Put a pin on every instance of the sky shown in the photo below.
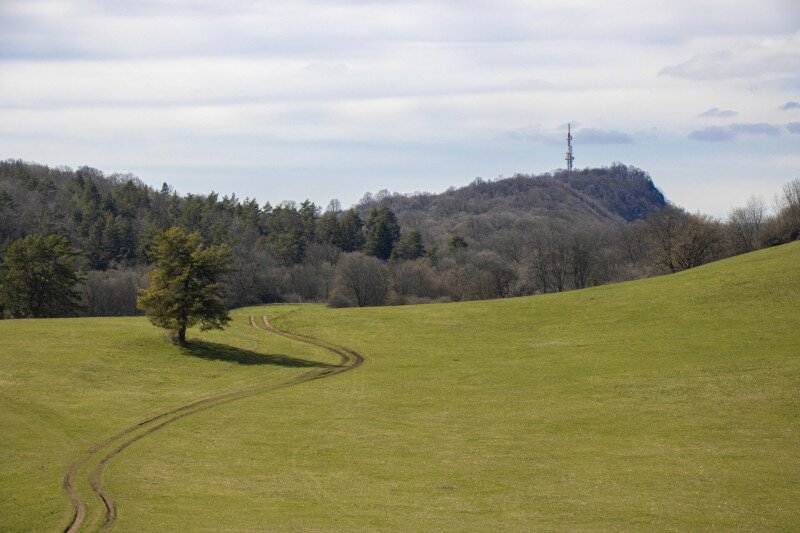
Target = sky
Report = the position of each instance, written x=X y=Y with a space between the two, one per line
x=331 y=99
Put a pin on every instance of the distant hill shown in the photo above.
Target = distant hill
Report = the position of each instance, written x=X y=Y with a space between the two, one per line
x=608 y=195
x=484 y=240
x=86 y=204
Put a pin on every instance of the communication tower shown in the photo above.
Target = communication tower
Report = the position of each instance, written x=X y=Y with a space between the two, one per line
x=569 y=158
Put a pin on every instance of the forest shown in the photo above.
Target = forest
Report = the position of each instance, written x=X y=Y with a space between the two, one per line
x=490 y=239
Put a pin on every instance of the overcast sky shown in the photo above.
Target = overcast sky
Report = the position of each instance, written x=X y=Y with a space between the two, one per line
x=331 y=99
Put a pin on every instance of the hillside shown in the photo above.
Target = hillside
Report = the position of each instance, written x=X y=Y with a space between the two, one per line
x=111 y=217
x=667 y=403
x=601 y=196
x=524 y=235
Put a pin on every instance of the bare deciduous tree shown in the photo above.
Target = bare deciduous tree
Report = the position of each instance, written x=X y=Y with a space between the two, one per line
x=788 y=212
x=583 y=247
x=113 y=292
x=633 y=242
x=413 y=278
x=360 y=280
x=681 y=240
x=745 y=224
x=500 y=274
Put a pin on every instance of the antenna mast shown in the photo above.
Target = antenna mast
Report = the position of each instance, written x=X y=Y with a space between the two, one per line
x=569 y=158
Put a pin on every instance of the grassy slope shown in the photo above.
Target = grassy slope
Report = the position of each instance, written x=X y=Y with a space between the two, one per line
x=67 y=384
x=670 y=402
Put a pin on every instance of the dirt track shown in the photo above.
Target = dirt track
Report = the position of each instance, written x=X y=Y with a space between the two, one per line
x=116 y=444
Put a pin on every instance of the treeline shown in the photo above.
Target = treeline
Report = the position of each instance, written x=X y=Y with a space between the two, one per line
x=508 y=237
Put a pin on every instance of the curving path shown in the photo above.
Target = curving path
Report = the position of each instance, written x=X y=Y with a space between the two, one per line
x=116 y=444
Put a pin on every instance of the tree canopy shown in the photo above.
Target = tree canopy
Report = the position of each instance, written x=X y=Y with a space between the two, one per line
x=382 y=232
x=39 y=278
x=492 y=238
x=410 y=246
x=185 y=289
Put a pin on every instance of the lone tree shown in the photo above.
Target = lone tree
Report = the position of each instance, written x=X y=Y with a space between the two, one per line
x=184 y=289
x=38 y=278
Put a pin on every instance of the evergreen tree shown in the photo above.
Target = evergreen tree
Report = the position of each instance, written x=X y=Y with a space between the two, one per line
x=457 y=243
x=309 y=213
x=328 y=228
x=250 y=213
x=349 y=237
x=7 y=207
x=184 y=289
x=285 y=233
x=410 y=246
x=382 y=232
x=93 y=246
x=39 y=278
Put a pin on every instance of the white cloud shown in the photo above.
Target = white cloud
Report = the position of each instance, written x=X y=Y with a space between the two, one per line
x=730 y=132
x=762 y=57
x=715 y=112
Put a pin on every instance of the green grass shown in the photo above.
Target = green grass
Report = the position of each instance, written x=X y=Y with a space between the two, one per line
x=67 y=384
x=669 y=403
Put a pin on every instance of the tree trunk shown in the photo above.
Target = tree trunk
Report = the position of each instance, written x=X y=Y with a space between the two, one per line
x=182 y=335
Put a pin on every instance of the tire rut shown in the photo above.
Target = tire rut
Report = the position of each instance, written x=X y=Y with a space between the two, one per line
x=119 y=442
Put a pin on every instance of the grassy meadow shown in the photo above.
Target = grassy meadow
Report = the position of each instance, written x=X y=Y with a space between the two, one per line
x=668 y=403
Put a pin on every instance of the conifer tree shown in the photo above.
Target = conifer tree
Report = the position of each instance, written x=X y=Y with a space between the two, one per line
x=382 y=232
x=349 y=236
x=309 y=214
x=184 y=289
x=409 y=246
x=39 y=278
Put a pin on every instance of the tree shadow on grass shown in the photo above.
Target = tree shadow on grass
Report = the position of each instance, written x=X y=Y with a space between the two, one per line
x=213 y=351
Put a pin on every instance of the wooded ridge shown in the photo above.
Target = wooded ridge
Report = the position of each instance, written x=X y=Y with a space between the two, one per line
x=492 y=238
